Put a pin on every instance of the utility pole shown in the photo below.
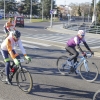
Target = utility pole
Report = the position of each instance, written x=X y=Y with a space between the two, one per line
x=4 y=9
x=31 y=11
x=42 y=9
x=94 y=13
x=51 y=12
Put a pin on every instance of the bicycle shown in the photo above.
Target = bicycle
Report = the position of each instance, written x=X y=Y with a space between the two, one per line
x=96 y=95
x=23 y=77
x=87 y=70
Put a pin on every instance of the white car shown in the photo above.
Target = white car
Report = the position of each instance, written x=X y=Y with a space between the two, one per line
x=35 y=16
x=72 y=19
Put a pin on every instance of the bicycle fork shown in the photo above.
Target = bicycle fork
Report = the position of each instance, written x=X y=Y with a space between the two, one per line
x=86 y=65
x=23 y=78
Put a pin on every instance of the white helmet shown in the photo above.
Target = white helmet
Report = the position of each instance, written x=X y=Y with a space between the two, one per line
x=81 y=32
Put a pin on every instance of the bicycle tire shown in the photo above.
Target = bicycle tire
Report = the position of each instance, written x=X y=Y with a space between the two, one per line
x=21 y=73
x=93 y=71
x=96 y=95
x=2 y=71
x=63 y=68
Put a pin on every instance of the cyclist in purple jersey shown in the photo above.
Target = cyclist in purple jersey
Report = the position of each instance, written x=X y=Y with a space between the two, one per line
x=75 y=42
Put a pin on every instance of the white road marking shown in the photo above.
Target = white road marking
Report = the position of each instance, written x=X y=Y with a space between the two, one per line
x=36 y=43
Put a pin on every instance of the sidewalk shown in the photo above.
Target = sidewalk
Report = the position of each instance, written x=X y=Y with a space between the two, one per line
x=60 y=29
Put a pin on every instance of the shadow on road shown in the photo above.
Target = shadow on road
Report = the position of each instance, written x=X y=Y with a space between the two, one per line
x=60 y=93
x=40 y=27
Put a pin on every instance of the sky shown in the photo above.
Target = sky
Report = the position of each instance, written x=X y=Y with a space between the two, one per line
x=67 y=2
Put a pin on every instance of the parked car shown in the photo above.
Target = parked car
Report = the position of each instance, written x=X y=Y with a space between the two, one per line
x=72 y=19
x=0 y=17
x=19 y=21
x=35 y=16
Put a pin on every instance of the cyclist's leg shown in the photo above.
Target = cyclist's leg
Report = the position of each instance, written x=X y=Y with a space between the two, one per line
x=7 y=64
x=74 y=56
x=17 y=56
x=74 y=53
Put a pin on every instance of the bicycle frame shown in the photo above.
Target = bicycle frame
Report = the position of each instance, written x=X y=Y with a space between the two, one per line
x=83 y=60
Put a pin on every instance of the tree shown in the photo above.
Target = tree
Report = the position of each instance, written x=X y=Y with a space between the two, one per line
x=98 y=12
x=79 y=12
x=1 y=5
x=26 y=7
x=47 y=7
x=10 y=6
x=74 y=7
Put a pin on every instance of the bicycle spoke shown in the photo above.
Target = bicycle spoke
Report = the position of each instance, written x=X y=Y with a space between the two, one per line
x=24 y=80
x=62 y=66
x=2 y=71
x=91 y=74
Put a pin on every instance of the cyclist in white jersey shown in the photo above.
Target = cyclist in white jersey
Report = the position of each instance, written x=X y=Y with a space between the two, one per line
x=7 y=48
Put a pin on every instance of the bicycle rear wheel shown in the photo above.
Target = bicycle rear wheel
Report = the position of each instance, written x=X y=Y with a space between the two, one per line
x=2 y=71
x=92 y=73
x=97 y=95
x=62 y=65
x=24 y=80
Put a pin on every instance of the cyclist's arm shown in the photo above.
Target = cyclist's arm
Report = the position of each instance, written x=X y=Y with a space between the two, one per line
x=13 y=26
x=21 y=47
x=78 y=47
x=86 y=45
x=9 y=48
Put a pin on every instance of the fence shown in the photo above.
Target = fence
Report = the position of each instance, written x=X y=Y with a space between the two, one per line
x=88 y=27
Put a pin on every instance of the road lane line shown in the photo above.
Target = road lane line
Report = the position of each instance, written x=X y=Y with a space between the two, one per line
x=42 y=44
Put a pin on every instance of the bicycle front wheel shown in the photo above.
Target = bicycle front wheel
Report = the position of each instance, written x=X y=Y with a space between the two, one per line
x=2 y=71
x=24 y=80
x=89 y=72
x=97 y=95
x=62 y=65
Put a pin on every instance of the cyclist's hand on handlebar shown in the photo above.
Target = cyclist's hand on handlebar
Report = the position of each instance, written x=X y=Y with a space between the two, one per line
x=28 y=58
x=92 y=52
x=84 y=54
x=16 y=62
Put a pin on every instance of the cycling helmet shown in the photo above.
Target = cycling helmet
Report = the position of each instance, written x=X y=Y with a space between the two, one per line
x=16 y=33
x=81 y=32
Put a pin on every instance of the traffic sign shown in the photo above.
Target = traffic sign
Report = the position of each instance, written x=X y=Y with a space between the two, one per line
x=51 y=11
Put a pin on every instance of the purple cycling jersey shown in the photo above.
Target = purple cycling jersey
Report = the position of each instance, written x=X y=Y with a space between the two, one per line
x=75 y=41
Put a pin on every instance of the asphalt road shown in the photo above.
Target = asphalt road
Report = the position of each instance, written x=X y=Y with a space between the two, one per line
x=48 y=83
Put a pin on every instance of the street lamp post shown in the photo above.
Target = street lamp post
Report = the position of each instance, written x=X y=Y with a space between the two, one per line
x=89 y=14
x=51 y=12
x=4 y=9
x=31 y=11
x=94 y=13
x=42 y=10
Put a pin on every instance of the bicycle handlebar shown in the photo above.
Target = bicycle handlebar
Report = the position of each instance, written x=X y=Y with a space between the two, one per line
x=23 y=60
x=88 y=55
